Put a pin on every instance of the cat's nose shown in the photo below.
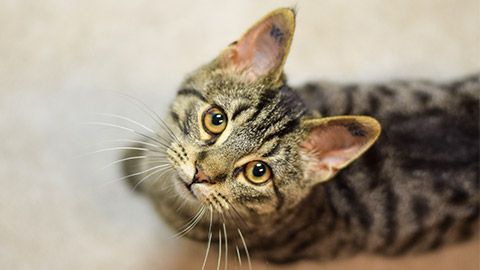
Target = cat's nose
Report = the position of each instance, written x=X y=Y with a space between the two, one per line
x=200 y=176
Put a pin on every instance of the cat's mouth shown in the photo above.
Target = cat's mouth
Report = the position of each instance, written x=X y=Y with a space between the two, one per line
x=192 y=192
x=195 y=190
x=189 y=188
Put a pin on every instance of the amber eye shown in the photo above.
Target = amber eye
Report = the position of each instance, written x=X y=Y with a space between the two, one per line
x=214 y=121
x=257 y=172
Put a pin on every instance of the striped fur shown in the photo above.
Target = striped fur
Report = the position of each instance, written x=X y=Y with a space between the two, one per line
x=415 y=190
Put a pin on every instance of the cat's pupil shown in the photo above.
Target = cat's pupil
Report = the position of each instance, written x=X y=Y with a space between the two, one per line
x=259 y=170
x=217 y=119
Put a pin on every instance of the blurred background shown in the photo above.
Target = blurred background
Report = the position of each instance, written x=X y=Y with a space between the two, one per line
x=63 y=61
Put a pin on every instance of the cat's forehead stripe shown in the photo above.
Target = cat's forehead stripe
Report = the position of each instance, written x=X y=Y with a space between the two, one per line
x=192 y=92
x=240 y=109
x=272 y=151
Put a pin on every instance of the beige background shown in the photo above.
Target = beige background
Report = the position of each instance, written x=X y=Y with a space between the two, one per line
x=61 y=60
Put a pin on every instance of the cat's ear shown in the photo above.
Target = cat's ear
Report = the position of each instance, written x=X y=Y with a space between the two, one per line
x=261 y=52
x=332 y=143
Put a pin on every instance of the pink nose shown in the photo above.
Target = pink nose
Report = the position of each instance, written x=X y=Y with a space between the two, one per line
x=200 y=176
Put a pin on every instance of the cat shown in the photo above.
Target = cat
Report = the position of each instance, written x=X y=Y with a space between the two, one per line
x=263 y=168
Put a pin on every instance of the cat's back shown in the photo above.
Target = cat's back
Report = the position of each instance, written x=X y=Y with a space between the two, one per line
x=418 y=187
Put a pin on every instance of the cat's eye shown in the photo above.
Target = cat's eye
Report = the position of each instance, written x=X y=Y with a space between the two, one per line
x=214 y=121
x=257 y=172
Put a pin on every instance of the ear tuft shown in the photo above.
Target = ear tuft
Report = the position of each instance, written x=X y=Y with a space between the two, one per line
x=334 y=142
x=263 y=49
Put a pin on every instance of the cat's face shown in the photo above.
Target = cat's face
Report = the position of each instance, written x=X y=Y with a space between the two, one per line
x=244 y=140
x=238 y=143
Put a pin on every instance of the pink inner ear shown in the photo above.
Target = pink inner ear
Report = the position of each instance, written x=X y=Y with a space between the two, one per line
x=261 y=50
x=333 y=146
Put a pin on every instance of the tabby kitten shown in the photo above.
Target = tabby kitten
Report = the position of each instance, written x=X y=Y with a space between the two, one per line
x=249 y=158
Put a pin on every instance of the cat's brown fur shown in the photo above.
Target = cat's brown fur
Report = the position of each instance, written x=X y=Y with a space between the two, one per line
x=416 y=190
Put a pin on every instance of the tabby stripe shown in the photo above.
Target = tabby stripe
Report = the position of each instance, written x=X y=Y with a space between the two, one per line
x=386 y=91
x=373 y=162
x=422 y=97
x=239 y=110
x=175 y=117
x=458 y=196
x=391 y=207
x=272 y=151
x=307 y=242
x=422 y=163
x=467 y=229
x=268 y=120
x=201 y=155
x=192 y=92
x=358 y=208
x=445 y=224
x=373 y=104
x=415 y=238
x=289 y=127
x=348 y=91
x=187 y=125
x=280 y=197
x=333 y=211
x=277 y=113
x=254 y=198
x=265 y=99
x=318 y=92
x=236 y=172
x=176 y=120
x=220 y=178
x=420 y=209
x=291 y=231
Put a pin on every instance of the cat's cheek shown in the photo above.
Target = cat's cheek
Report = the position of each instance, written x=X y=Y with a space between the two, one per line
x=183 y=191
x=201 y=191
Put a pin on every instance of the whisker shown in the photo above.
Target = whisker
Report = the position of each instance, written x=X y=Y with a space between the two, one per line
x=219 y=249
x=170 y=171
x=238 y=255
x=152 y=160
x=246 y=225
x=181 y=206
x=241 y=218
x=155 y=159
x=209 y=236
x=189 y=228
x=127 y=119
x=144 y=178
x=226 y=241
x=136 y=123
x=121 y=160
x=234 y=237
x=129 y=130
x=115 y=148
x=131 y=141
x=192 y=219
x=246 y=249
x=167 y=170
x=134 y=174
x=169 y=131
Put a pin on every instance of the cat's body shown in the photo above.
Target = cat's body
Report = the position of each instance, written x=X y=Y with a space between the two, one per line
x=416 y=189
x=418 y=186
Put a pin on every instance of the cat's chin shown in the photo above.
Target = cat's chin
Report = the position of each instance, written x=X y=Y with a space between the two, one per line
x=200 y=191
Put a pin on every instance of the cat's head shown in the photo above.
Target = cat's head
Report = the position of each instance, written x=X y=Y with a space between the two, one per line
x=245 y=140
